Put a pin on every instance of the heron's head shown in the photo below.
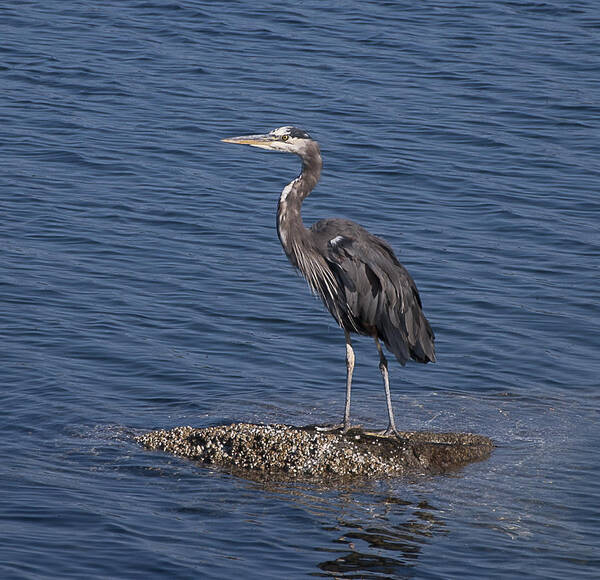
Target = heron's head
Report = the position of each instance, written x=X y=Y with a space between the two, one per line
x=285 y=139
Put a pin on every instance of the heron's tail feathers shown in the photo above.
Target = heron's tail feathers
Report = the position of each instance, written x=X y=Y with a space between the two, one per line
x=409 y=335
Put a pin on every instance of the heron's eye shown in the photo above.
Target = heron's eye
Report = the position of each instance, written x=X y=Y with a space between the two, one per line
x=285 y=137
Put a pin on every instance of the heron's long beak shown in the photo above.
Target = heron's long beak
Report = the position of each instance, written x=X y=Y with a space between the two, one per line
x=262 y=141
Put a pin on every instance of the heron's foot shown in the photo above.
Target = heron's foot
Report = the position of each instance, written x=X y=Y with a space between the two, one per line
x=341 y=427
x=391 y=431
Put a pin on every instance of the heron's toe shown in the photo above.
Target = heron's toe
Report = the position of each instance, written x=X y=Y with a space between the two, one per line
x=341 y=427
x=391 y=431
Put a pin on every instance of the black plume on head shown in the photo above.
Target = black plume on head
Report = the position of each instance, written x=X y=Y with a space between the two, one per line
x=298 y=133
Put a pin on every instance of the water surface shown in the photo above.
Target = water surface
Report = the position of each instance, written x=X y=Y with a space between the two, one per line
x=143 y=285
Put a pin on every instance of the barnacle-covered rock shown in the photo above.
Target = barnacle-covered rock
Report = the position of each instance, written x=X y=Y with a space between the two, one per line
x=287 y=452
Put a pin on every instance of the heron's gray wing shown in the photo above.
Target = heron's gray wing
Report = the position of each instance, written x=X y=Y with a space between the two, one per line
x=380 y=295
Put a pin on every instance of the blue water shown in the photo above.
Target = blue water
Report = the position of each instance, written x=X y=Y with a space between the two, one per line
x=143 y=285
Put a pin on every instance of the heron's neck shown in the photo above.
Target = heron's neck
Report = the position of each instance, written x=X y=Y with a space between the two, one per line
x=292 y=233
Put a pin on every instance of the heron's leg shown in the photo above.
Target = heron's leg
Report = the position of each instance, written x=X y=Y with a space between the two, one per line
x=349 y=371
x=345 y=424
x=383 y=367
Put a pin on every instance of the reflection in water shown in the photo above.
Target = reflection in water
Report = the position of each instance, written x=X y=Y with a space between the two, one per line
x=389 y=548
x=374 y=533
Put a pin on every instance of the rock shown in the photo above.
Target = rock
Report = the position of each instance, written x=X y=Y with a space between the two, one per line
x=287 y=452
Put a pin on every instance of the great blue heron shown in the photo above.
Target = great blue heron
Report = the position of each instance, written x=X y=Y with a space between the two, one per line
x=356 y=274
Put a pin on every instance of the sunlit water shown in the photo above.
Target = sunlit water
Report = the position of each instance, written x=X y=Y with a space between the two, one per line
x=143 y=285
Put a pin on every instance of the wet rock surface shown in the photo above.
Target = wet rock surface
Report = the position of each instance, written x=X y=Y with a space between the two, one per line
x=284 y=451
